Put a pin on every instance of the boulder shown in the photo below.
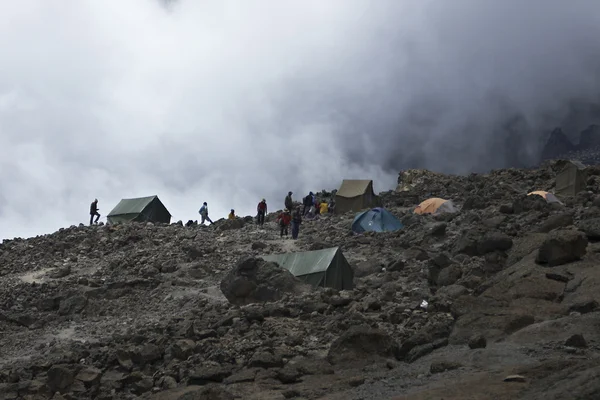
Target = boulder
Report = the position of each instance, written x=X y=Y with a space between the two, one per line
x=264 y=359
x=361 y=344
x=72 y=305
x=230 y=224
x=591 y=228
x=477 y=342
x=366 y=268
x=60 y=378
x=562 y=247
x=89 y=376
x=576 y=340
x=556 y=221
x=254 y=280
x=449 y=275
x=493 y=241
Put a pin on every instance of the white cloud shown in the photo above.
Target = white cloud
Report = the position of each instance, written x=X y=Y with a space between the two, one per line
x=230 y=101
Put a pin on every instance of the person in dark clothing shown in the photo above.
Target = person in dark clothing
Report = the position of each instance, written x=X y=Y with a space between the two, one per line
x=284 y=220
x=307 y=202
x=296 y=221
x=261 y=210
x=94 y=212
x=289 y=203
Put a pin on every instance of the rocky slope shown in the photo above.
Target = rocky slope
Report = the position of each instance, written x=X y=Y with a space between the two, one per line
x=510 y=283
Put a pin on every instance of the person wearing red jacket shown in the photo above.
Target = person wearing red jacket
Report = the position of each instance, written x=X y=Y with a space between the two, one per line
x=261 y=210
x=284 y=220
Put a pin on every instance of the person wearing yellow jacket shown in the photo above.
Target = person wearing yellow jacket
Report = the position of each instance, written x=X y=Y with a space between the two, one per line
x=231 y=214
x=323 y=207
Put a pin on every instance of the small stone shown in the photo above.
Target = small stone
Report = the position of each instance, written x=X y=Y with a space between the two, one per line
x=477 y=342
x=442 y=366
x=59 y=378
x=514 y=378
x=576 y=340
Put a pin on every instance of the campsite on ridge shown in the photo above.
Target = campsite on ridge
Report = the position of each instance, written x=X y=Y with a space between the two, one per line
x=496 y=297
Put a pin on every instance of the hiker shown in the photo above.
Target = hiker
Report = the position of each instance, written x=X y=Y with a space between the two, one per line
x=204 y=214
x=323 y=207
x=284 y=220
x=296 y=221
x=331 y=206
x=94 y=212
x=289 y=203
x=307 y=202
x=261 y=210
x=231 y=214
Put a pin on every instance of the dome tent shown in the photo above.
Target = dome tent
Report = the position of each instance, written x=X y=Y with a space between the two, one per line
x=549 y=197
x=435 y=205
x=376 y=220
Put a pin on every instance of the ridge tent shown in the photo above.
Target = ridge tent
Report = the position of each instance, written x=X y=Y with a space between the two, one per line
x=327 y=267
x=355 y=195
x=571 y=179
x=376 y=220
x=435 y=205
x=549 y=197
x=141 y=209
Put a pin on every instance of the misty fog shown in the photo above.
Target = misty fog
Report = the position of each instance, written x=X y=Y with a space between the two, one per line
x=231 y=101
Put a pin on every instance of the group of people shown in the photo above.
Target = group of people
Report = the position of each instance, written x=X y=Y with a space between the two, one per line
x=292 y=215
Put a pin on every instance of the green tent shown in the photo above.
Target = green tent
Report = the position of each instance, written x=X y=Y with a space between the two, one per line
x=141 y=209
x=327 y=267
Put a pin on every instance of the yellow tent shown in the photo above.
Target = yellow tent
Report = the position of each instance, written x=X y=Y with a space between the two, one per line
x=355 y=195
x=549 y=197
x=435 y=205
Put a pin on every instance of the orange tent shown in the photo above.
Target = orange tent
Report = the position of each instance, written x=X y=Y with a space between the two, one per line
x=435 y=205
x=549 y=197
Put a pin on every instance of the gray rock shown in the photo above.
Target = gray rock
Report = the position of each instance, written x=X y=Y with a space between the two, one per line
x=493 y=241
x=59 y=378
x=205 y=375
x=449 y=275
x=254 y=280
x=183 y=348
x=90 y=376
x=576 y=340
x=259 y=246
x=477 y=342
x=443 y=366
x=265 y=359
x=361 y=344
x=591 y=228
x=437 y=228
x=556 y=221
x=562 y=247
x=72 y=305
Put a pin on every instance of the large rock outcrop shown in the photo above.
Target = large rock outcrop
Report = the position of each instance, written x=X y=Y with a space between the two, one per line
x=254 y=280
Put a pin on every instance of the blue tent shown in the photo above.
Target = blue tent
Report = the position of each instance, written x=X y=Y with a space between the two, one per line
x=376 y=220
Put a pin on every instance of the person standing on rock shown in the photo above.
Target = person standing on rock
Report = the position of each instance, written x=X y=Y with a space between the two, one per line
x=289 y=203
x=296 y=221
x=204 y=213
x=231 y=214
x=307 y=202
x=261 y=210
x=284 y=220
x=94 y=212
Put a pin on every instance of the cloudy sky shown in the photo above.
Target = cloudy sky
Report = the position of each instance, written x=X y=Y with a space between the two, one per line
x=230 y=101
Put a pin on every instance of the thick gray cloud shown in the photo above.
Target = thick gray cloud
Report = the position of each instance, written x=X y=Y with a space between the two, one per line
x=230 y=101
